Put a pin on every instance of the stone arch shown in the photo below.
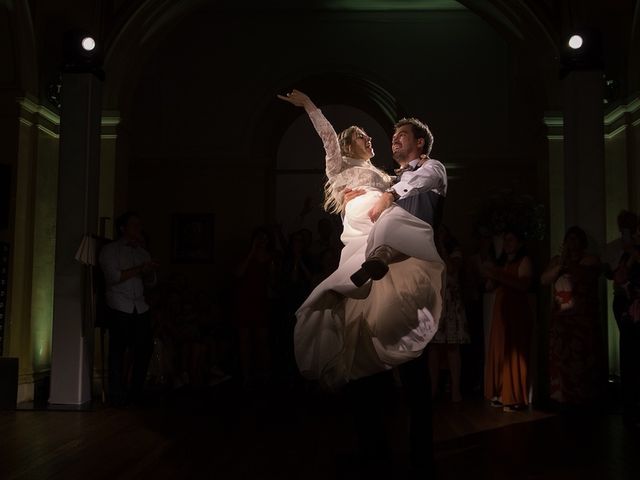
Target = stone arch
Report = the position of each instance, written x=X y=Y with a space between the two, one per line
x=531 y=29
x=127 y=47
x=357 y=89
x=517 y=20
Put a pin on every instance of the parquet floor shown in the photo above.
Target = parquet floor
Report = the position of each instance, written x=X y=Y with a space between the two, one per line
x=224 y=433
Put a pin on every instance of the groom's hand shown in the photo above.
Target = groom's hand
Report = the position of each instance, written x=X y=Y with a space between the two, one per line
x=351 y=194
x=384 y=202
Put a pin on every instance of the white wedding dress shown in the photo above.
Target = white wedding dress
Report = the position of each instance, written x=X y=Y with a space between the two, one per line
x=343 y=332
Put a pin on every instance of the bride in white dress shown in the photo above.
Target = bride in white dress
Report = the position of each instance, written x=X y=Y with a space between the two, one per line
x=344 y=332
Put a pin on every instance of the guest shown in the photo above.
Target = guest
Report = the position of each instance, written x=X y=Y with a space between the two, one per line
x=167 y=332
x=453 y=329
x=208 y=352
x=296 y=277
x=328 y=260
x=474 y=289
x=576 y=350
x=326 y=239
x=506 y=379
x=622 y=268
x=254 y=277
x=127 y=269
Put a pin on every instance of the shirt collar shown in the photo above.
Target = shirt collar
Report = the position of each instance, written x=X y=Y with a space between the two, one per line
x=414 y=163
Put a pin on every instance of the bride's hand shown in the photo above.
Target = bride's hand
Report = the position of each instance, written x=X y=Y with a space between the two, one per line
x=297 y=98
x=351 y=194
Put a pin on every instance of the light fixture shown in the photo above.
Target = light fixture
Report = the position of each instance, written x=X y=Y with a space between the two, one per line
x=88 y=43
x=575 y=42
x=581 y=50
x=81 y=52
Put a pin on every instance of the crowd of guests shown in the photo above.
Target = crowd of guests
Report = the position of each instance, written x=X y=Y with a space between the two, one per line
x=272 y=281
x=243 y=332
x=191 y=336
x=486 y=333
x=483 y=344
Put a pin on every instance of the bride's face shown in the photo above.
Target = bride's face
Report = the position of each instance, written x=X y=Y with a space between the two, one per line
x=361 y=146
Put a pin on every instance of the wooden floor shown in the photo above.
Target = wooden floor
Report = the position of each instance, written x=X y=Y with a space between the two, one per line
x=223 y=433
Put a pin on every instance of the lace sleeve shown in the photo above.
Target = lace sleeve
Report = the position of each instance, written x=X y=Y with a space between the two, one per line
x=330 y=142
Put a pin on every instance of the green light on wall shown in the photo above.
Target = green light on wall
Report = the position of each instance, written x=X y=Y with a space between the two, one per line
x=42 y=294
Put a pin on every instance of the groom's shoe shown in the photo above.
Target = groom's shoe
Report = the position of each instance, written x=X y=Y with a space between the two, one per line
x=376 y=265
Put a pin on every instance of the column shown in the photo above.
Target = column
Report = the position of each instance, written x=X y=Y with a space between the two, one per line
x=78 y=191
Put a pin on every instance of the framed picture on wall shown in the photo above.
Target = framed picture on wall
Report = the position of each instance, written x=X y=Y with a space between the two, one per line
x=192 y=238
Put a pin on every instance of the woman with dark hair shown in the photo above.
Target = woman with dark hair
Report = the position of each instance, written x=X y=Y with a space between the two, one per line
x=576 y=354
x=506 y=379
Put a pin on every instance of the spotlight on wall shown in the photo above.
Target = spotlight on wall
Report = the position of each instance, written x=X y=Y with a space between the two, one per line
x=582 y=50
x=81 y=53
x=575 y=42
x=88 y=43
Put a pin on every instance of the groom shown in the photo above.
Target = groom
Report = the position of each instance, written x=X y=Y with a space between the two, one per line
x=421 y=190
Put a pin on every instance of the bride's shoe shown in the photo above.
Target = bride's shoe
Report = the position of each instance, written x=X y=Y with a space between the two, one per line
x=376 y=265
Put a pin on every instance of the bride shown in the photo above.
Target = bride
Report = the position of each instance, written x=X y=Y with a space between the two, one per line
x=343 y=331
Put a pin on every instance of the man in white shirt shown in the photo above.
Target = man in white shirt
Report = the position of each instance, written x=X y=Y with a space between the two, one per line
x=420 y=190
x=127 y=268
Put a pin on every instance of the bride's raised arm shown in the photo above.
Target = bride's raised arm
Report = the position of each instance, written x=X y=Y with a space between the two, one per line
x=323 y=127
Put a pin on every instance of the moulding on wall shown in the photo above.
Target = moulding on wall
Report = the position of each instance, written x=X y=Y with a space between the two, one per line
x=33 y=107
x=48 y=122
x=109 y=124
x=555 y=125
x=32 y=114
x=632 y=107
x=616 y=120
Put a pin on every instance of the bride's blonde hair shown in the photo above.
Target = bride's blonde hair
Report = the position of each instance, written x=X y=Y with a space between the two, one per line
x=345 y=140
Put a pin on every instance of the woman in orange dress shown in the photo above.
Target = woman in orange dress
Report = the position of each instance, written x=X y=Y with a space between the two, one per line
x=506 y=369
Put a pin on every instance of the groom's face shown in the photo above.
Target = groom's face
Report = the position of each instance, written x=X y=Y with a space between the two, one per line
x=404 y=144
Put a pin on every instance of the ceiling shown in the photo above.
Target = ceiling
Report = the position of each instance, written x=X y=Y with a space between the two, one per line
x=394 y=5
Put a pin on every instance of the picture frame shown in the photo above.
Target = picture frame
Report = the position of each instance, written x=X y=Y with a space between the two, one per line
x=192 y=238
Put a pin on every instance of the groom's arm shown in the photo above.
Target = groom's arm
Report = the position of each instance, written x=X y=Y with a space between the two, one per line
x=432 y=175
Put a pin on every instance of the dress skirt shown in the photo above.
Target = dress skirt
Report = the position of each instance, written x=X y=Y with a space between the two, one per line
x=343 y=332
